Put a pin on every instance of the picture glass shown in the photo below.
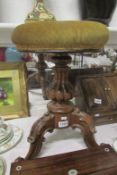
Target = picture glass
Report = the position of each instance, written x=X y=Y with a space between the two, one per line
x=6 y=92
x=13 y=90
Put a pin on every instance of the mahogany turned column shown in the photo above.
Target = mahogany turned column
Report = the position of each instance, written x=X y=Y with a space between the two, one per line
x=61 y=111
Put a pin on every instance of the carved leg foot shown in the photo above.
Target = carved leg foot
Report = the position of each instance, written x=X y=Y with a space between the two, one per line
x=85 y=123
x=36 y=137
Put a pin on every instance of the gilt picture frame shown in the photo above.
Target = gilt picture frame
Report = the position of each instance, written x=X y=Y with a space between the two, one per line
x=13 y=90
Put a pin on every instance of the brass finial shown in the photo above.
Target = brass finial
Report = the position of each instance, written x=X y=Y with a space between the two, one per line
x=39 y=13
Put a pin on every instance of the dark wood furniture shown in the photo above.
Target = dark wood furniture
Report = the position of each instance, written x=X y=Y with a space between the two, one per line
x=97 y=95
x=62 y=39
x=36 y=79
x=44 y=76
x=61 y=111
x=99 y=161
x=41 y=66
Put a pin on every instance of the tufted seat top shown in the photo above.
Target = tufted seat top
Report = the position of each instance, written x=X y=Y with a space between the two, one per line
x=48 y=36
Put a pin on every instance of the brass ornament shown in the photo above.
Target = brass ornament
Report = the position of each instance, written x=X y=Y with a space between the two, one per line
x=39 y=13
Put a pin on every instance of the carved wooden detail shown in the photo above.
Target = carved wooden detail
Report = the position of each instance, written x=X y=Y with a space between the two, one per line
x=100 y=161
x=41 y=66
x=60 y=89
x=61 y=111
x=98 y=94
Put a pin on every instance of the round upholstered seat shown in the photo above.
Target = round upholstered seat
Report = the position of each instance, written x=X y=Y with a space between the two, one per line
x=47 y=36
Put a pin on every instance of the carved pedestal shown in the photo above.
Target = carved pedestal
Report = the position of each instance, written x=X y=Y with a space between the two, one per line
x=61 y=111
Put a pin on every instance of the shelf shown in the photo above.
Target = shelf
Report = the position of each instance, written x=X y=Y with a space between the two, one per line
x=6 y=30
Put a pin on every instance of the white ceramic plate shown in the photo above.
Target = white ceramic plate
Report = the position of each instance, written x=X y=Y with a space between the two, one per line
x=7 y=132
x=17 y=134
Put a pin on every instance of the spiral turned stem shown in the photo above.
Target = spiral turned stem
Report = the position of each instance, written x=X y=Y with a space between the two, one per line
x=61 y=89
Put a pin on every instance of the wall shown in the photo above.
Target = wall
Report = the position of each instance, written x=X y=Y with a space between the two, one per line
x=113 y=22
x=64 y=9
x=15 y=11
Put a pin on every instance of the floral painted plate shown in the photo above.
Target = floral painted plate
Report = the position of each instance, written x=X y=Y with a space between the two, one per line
x=17 y=135
x=5 y=131
x=7 y=138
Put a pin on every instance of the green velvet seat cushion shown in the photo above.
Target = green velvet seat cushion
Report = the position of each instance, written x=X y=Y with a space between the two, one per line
x=47 y=36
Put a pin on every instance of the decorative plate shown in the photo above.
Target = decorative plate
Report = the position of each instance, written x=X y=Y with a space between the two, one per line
x=8 y=144
x=2 y=166
x=6 y=134
x=5 y=130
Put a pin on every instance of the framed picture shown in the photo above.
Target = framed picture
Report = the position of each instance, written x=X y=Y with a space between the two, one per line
x=13 y=90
